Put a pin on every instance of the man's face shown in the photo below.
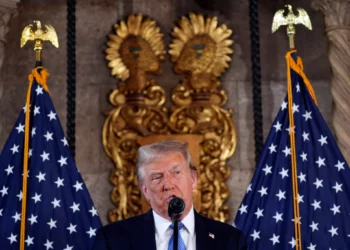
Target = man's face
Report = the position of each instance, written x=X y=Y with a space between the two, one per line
x=165 y=177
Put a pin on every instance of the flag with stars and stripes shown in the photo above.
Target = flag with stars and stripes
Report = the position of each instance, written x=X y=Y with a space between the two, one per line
x=266 y=214
x=59 y=211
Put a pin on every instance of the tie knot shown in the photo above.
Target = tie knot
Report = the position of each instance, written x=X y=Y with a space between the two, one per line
x=181 y=225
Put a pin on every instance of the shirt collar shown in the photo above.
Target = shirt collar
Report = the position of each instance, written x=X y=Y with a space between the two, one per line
x=188 y=221
x=163 y=224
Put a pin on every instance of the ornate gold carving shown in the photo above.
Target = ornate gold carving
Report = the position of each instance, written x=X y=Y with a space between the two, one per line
x=200 y=51
x=134 y=51
x=137 y=45
x=201 y=47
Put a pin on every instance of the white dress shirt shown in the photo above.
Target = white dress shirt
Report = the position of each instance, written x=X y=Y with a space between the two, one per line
x=164 y=232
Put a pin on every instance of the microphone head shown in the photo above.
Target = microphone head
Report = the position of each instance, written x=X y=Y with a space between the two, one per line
x=176 y=208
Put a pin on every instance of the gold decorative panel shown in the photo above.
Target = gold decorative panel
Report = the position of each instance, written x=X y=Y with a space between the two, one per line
x=200 y=51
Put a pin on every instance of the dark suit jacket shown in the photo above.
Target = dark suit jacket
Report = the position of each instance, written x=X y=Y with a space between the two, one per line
x=138 y=233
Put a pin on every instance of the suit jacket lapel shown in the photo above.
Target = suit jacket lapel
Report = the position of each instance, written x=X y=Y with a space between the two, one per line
x=144 y=235
x=203 y=240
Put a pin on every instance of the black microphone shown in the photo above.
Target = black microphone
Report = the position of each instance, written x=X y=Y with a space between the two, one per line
x=176 y=208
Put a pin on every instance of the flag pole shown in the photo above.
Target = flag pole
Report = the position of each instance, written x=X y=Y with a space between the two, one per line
x=38 y=36
x=290 y=20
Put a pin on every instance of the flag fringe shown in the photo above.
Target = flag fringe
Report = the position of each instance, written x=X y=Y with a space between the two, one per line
x=41 y=77
x=298 y=68
x=297 y=230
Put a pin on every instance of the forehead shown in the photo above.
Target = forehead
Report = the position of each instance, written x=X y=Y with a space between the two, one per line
x=165 y=162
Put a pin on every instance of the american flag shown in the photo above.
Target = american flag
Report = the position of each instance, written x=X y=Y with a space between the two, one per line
x=60 y=213
x=266 y=213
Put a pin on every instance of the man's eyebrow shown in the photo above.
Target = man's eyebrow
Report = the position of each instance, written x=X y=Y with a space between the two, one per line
x=153 y=172
x=175 y=166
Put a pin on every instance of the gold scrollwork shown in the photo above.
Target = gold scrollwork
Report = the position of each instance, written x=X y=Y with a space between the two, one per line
x=200 y=51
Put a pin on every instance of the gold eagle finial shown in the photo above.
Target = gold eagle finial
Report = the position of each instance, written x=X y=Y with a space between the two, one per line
x=39 y=35
x=290 y=20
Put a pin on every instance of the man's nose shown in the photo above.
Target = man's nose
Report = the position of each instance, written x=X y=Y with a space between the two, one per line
x=168 y=182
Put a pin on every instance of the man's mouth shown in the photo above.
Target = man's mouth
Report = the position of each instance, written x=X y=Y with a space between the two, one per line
x=170 y=198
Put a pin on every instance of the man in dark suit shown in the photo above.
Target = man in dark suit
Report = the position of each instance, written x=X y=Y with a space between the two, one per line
x=165 y=170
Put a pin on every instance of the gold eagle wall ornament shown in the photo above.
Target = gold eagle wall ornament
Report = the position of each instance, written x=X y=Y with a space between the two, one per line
x=201 y=51
x=290 y=20
x=39 y=36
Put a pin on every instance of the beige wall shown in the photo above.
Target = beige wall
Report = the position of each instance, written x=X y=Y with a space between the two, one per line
x=94 y=22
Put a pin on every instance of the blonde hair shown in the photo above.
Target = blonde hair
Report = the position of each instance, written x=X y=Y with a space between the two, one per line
x=148 y=153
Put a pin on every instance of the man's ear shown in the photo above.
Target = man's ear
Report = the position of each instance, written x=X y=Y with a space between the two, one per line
x=144 y=190
x=194 y=177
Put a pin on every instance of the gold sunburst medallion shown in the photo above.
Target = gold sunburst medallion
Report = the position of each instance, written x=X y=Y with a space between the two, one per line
x=136 y=46
x=200 y=45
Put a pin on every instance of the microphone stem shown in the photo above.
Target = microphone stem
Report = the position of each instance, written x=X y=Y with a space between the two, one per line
x=176 y=234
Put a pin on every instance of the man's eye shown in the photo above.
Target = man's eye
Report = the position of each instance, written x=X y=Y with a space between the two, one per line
x=177 y=172
x=155 y=178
